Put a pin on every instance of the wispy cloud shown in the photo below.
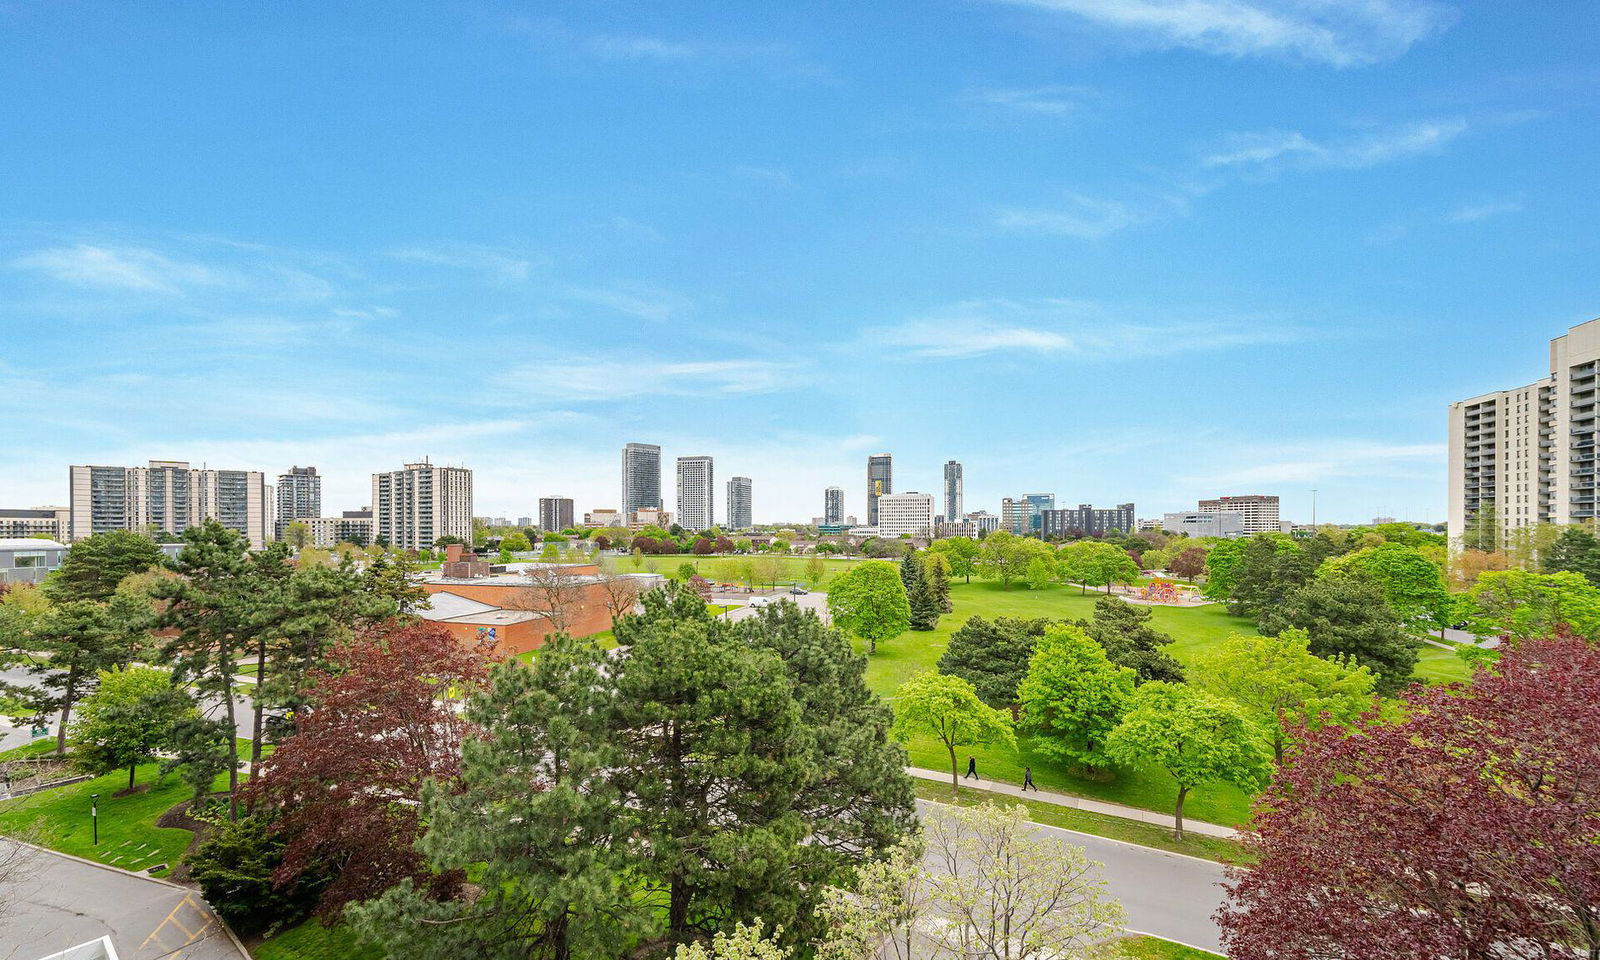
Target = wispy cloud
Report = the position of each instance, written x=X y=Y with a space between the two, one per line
x=633 y=300
x=1484 y=209
x=1049 y=326
x=631 y=379
x=501 y=264
x=1341 y=33
x=124 y=268
x=1275 y=148
x=1089 y=217
x=1468 y=212
x=1047 y=101
x=642 y=48
x=1310 y=462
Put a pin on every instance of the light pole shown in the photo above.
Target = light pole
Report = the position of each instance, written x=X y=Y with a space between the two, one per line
x=94 y=815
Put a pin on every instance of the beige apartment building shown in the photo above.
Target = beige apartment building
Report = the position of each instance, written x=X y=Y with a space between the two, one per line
x=1526 y=455
x=166 y=495
x=416 y=505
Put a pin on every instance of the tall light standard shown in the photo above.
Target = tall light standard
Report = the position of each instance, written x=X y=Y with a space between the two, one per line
x=94 y=815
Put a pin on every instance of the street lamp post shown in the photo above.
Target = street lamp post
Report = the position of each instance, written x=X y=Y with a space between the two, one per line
x=94 y=815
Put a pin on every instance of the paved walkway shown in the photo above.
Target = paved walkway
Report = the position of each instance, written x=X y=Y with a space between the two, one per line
x=55 y=901
x=1080 y=803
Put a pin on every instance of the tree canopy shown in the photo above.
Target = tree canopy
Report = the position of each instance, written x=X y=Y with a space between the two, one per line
x=948 y=709
x=1073 y=697
x=869 y=602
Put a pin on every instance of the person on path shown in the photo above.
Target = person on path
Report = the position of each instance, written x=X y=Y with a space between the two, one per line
x=972 y=768
x=1027 y=780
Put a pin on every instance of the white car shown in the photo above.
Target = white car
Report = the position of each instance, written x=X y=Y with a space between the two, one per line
x=763 y=601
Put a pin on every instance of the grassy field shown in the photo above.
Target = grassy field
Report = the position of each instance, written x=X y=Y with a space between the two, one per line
x=312 y=941
x=1154 y=948
x=724 y=568
x=1194 y=629
x=129 y=838
x=1083 y=821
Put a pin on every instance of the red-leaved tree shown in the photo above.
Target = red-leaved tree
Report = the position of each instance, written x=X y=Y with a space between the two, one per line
x=1468 y=830
x=346 y=788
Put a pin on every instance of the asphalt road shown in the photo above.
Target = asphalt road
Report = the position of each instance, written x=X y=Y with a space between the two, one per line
x=55 y=902
x=1164 y=894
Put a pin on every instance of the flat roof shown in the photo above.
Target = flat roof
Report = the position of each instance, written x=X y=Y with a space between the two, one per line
x=29 y=543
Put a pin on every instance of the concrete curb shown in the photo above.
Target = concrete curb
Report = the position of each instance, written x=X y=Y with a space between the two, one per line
x=1125 y=843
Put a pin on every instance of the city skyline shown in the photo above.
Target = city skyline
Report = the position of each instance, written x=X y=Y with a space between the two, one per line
x=1002 y=211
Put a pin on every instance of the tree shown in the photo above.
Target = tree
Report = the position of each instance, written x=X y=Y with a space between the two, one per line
x=1412 y=585
x=949 y=709
x=1270 y=566
x=348 y=784
x=516 y=542
x=881 y=908
x=72 y=643
x=816 y=570
x=235 y=867
x=1004 y=557
x=703 y=546
x=919 y=597
x=96 y=564
x=1464 y=828
x=1575 y=550
x=554 y=591
x=130 y=716
x=1095 y=563
x=1039 y=573
x=1521 y=604
x=766 y=569
x=297 y=533
x=869 y=602
x=1222 y=565
x=962 y=554
x=1195 y=737
x=536 y=819
x=620 y=594
x=1482 y=530
x=935 y=567
x=1073 y=697
x=1285 y=686
x=1346 y=617
x=1012 y=892
x=993 y=656
x=742 y=943
x=1125 y=632
x=1189 y=564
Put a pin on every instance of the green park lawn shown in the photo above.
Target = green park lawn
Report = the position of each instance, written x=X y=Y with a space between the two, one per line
x=723 y=568
x=1154 y=948
x=312 y=941
x=129 y=838
x=1194 y=630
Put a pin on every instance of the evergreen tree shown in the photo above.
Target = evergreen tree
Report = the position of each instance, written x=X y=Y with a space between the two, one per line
x=714 y=758
x=936 y=566
x=1576 y=550
x=536 y=819
x=992 y=655
x=924 y=605
x=1270 y=565
x=1346 y=616
x=73 y=643
x=1130 y=641
x=95 y=565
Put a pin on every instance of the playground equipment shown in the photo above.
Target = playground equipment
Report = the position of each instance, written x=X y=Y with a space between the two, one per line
x=1161 y=591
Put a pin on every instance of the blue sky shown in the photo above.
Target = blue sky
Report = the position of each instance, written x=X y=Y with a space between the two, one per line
x=1115 y=249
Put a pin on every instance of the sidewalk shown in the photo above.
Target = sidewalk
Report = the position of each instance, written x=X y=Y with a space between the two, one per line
x=1080 y=803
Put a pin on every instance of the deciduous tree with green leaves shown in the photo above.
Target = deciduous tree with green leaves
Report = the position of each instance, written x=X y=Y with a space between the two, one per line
x=1522 y=604
x=961 y=552
x=869 y=602
x=948 y=708
x=1073 y=697
x=131 y=715
x=1004 y=556
x=1412 y=584
x=1197 y=738
x=1284 y=685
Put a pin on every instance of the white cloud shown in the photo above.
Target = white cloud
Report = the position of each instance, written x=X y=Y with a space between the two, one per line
x=974 y=328
x=125 y=268
x=1077 y=215
x=1312 y=462
x=505 y=266
x=641 y=302
x=1368 y=149
x=630 y=379
x=641 y=48
x=1484 y=209
x=1340 y=33
x=1049 y=101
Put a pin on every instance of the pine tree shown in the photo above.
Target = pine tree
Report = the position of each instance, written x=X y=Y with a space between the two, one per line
x=939 y=582
x=924 y=605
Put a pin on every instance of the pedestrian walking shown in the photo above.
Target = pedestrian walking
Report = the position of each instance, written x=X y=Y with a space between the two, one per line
x=1027 y=780
x=972 y=769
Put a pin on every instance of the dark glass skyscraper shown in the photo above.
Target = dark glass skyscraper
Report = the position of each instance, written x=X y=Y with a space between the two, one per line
x=880 y=480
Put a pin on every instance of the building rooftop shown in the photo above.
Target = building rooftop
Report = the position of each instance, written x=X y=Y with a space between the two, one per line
x=29 y=543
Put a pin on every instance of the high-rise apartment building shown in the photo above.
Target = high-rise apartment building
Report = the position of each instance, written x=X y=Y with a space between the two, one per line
x=1527 y=455
x=1024 y=515
x=954 y=498
x=983 y=523
x=1258 y=513
x=741 y=513
x=299 y=497
x=641 y=477
x=353 y=526
x=696 y=499
x=833 y=506
x=555 y=514
x=880 y=481
x=1196 y=524
x=905 y=513
x=52 y=522
x=166 y=495
x=1088 y=521
x=416 y=505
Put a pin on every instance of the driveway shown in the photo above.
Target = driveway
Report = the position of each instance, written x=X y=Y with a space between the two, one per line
x=808 y=601
x=54 y=902
x=1165 y=894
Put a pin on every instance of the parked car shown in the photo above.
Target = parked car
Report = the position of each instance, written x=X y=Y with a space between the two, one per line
x=798 y=590
x=763 y=601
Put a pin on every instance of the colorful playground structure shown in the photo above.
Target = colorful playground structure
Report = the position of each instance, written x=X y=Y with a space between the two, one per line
x=1168 y=592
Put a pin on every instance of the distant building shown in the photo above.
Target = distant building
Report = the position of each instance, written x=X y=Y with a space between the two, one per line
x=954 y=497
x=52 y=522
x=26 y=560
x=834 y=529
x=1087 y=520
x=1259 y=513
x=983 y=522
x=741 y=509
x=555 y=514
x=880 y=481
x=641 y=477
x=1194 y=524
x=416 y=505
x=696 y=496
x=901 y=514
x=528 y=521
x=352 y=526
x=833 y=506
x=298 y=496
x=1024 y=515
x=166 y=495
x=602 y=517
x=639 y=519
